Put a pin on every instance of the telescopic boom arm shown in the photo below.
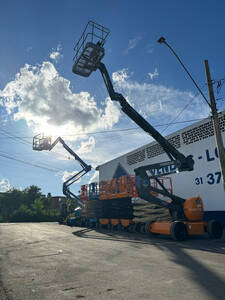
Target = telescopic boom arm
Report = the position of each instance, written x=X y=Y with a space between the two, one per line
x=40 y=142
x=182 y=163
x=176 y=158
x=88 y=56
x=77 y=176
x=60 y=140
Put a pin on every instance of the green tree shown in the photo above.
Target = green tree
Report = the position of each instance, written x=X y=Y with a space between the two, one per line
x=47 y=202
x=10 y=201
x=30 y=194
x=23 y=214
x=27 y=205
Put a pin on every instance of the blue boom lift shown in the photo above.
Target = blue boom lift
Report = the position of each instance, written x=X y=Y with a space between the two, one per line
x=41 y=142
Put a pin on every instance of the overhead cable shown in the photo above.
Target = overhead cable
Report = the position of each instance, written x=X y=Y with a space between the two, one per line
x=114 y=130
x=28 y=163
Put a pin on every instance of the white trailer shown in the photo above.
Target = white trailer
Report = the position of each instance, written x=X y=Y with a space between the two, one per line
x=197 y=140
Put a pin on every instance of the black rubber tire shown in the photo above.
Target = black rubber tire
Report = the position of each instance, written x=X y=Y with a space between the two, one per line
x=178 y=231
x=142 y=228
x=138 y=227
x=214 y=229
x=119 y=227
x=147 y=231
x=78 y=223
x=131 y=228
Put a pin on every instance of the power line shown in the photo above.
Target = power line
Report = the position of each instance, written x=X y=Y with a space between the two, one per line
x=182 y=110
x=41 y=164
x=28 y=163
x=110 y=131
x=49 y=168
x=222 y=97
x=220 y=83
x=14 y=137
x=21 y=141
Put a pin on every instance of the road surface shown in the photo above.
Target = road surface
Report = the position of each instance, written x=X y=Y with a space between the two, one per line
x=56 y=262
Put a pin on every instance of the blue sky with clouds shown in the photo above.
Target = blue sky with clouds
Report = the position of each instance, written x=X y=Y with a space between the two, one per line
x=39 y=92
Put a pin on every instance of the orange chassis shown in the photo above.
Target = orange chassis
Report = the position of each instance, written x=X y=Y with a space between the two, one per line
x=159 y=227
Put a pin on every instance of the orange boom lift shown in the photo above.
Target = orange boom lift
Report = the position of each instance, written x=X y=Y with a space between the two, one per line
x=186 y=214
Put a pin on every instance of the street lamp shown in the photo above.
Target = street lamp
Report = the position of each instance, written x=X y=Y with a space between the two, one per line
x=212 y=105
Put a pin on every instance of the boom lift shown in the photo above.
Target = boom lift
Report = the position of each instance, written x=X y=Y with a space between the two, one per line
x=41 y=142
x=186 y=214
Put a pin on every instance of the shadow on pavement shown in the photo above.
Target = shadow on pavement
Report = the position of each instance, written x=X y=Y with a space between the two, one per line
x=202 y=243
x=198 y=272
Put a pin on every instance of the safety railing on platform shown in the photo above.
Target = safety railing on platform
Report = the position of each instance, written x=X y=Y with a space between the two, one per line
x=117 y=188
x=89 y=191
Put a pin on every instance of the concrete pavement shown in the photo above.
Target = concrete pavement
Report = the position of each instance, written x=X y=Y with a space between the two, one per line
x=51 y=261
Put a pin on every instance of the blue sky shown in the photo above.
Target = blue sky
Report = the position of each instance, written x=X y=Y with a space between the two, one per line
x=38 y=90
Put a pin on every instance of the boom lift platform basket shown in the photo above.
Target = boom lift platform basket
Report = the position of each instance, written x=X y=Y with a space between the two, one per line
x=89 y=49
x=41 y=142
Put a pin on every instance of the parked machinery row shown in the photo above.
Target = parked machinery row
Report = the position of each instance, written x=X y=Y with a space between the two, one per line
x=115 y=205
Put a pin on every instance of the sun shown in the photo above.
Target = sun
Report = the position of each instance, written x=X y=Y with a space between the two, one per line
x=66 y=131
x=50 y=130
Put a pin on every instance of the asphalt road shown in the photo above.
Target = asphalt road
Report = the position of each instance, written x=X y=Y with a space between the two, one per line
x=51 y=261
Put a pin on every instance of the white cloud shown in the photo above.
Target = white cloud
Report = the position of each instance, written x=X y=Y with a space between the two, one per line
x=4 y=185
x=66 y=174
x=120 y=76
x=87 y=146
x=55 y=55
x=45 y=101
x=158 y=102
x=154 y=74
x=132 y=44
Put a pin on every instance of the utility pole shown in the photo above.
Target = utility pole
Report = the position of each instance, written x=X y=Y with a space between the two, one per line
x=212 y=105
x=215 y=120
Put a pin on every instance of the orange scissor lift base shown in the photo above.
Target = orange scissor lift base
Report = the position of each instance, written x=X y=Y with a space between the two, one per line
x=114 y=222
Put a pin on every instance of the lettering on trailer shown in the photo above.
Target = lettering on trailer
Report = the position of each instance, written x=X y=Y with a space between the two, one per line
x=210 y=178
x=208 y=156
x=163 y=170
